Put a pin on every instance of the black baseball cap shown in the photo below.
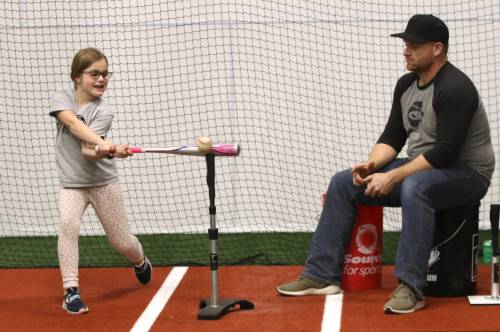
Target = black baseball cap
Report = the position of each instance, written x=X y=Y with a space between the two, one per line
x=425 y=28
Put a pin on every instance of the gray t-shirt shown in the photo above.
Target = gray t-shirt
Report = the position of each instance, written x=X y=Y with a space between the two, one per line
x=444 y=121
x=74 y=170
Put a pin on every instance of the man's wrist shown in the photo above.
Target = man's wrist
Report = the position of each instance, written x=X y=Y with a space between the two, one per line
x=397 y=175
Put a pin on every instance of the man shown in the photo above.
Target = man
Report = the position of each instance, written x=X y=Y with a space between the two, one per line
x=437 y=111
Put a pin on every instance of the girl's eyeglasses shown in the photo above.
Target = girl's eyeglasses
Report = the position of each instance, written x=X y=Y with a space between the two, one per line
x=94 y=74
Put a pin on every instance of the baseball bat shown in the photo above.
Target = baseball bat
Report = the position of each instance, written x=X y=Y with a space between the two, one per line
x=227 y=150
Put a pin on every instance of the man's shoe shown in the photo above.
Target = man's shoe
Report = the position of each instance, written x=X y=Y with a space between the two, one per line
x=144 y=271
x=73 y=303
x=306 y=286
x=403 y=301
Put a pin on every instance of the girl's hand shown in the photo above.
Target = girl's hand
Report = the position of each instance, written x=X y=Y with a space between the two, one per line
x=123 y=151
x=105 y=149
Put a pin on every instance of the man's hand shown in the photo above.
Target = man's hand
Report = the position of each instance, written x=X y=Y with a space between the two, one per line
x=379 y=184
x=361 y=171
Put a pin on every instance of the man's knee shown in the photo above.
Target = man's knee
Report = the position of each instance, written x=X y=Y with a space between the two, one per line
x=341 y=181
x=413 y=188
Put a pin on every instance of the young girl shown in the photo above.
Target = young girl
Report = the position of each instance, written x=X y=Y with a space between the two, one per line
x=88 y=173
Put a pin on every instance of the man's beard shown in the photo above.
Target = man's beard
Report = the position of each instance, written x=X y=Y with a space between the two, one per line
x=419 y=68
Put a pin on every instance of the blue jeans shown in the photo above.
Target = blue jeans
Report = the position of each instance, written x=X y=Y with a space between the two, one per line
x=419 y=196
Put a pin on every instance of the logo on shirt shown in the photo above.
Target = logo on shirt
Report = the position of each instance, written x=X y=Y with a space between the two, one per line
x=415 y=114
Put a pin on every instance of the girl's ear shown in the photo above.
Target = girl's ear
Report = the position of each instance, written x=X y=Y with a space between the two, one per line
x=78 y=79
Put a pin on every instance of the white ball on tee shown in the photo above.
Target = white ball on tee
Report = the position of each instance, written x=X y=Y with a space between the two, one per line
x=204 y=144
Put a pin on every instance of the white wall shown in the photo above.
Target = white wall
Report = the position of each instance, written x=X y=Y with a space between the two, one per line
x=305 y=87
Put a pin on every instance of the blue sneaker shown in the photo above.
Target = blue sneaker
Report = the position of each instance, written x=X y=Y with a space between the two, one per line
x=73 y=303
x=144 y=272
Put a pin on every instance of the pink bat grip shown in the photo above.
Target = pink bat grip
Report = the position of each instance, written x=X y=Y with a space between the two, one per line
x=226 y=149
x=136 y=149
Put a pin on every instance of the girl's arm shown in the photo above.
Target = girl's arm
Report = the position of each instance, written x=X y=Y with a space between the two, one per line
x=88 y=137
